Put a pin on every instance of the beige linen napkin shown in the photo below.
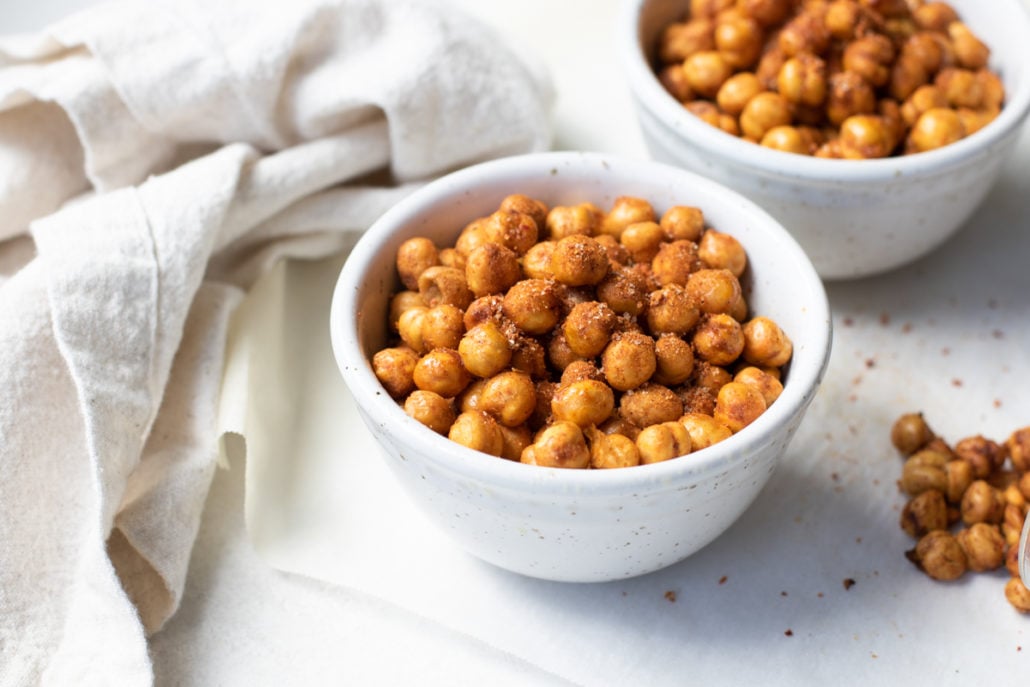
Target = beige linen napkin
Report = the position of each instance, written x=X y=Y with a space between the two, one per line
x=155 y=159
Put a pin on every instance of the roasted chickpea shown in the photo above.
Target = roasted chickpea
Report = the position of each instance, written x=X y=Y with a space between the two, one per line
x=711 y=377
x=924 y=513
x=789 y=139
x=939 y=555
x=518 y=202
x=843 y=18
x=579 y=370
x=960 y=87
x=761 y=381
x=579 y=261
x=657 y=443
x=713 y=290
x=722 y=251
x=629 y=360
x=849 y=94
x=739 y=41
x=1018 y=446
x=870 y=57
x=431 y=409
x=992 y=89
x=974 y=120
x=560 y=445
x=440 y=370
x=442 y=327
x=510 y=397
x=395 y=369
x=704 y=430
x=766 y=12
x=478 y=431
x=983 y=545
x=536 y=263
x=709 y=8
x=910 y=433
x=415 y=256
x=718 y=339
x=682 y=223
x=491 y=268
x=674 y=360
x=984 y=455
x=706 y=71
x=763 y=112
x=922 y=99
x=514 y=441
x=469 y=398
x=588 y=328
x=625 y=291
x=626 y=210
x=559 y=354
x=410 y=328
x=617 y=424
x=866 y=137
x=806 y=32
x=769 y=65
x=982 y=503
x=450 y=257
x=534 y=305
x=1018 y=595
x=680 y=40
x=969 y=50
x=473 y=235
x=738 y=405
x=401 y=302
x=765 y=343
x=545 y=391
x=567 y=220
x=611 y=450
x=671 y=310
x=439 y=284
x=734 y=94
x=907 y=74
x=650 y=404
x=802 y=80
x=617 y=254
x=517 y=231
x=674 y=262
x=586 y=402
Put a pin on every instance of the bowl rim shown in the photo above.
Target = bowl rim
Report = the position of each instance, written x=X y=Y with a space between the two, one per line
x=805 y=375
x=652 y=97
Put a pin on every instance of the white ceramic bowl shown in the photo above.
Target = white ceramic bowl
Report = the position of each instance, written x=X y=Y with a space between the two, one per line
x=579 y=525
x=853 y=217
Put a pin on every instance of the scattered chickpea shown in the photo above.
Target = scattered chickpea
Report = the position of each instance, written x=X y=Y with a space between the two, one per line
x=983 y=545
x=925 y=513
x=1018 y=595
x=910 y=433
x=939 y=555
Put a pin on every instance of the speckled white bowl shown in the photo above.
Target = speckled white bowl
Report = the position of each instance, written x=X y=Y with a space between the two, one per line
x=854 y=218
x=579 y=525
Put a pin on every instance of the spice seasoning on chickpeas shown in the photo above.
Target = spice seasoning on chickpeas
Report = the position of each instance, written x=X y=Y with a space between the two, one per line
x=853 y=79
x=979 y=488
x=577 y=338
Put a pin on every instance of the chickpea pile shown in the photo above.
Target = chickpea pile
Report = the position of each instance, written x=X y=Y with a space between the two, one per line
x=979 y=485
x=851 y=79
x=572 y=337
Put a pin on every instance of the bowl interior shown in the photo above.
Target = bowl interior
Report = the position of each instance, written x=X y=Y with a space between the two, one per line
x=781 y=283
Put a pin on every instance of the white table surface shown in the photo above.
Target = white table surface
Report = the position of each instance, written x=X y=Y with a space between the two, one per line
x=948 y=335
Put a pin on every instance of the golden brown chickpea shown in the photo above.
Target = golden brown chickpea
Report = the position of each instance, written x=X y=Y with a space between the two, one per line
x=1018 y=446
x=870 y=57
x=534 y=305
x=713 y=290
x=1012 y=523
x=650 y=404
x=1012 y=561
x=735 y=93
x=739 y=309
x=618 y=256
x=674 y=360
x=843 y=18
x=401 y=302
x=586 y=402
x=1014 y=496
x=766 y=344
x=769 y=65
x=560 y=445
x=1018 y=595
x=711 y=114
x=983 y=545
x=440 y=284
x=706 y=71
x=982 y=503
x=626 y=210
x=431 y=409
x=763 y=382
x=738 y=405
x=959 y=477
x=802 y=80
x=624 y=290
x=485 y=309
x=611 y=450
x=907 y=74
x=515 y=230
x=477 y=431
x=974 y=120
x=674 y=263
x=983 y=454
x=410 y=326
x=514 y=441
x=682 y=223
x=910 y=432
x=722 y=251
x=739 y=41
x=469 y=398
x=510 y=397
x=709 y=8
x=559 y=354
x=680 y=40
x=939 y=555
x=642 y=239
x=473 y=235
x=617 y=424
x=849 y=95
x=629 y=360
x=925 y=513
x=961 y=87
x=442 y=327
x=536 y=263
x=970 y=52
x=711 y=377
x=661 y=442
x=806 y=32
x=992 y=89
x=934 y=16
x=696 y=399
x=766 y=12
x=926 y=49
x=579 y=261
x=922 y=99
x=518 y=202
x=918 y=476
x=704 y=431
x=866 y=137
x=567 y=220
x=789 y=139
x=542 y=414
x=671 y=310
x=395 y=368
x=718 y=339
x=414 y=256
x=491 y=268
x=579 y=370
x=450 y=257
x=440 y=370
x=588 y=328
x=763 y=112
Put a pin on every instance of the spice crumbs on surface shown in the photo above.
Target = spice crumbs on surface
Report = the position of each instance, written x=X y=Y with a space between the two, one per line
x=670 y=596
x=906 y=328
x=849 y=583
x=945 y=351
x=870 y=363
x=847 y=322
x=789 y=632
x=956 y=382
x=997 y=403
x=998 y=334
x=885 y=319
x=722 y=580
x=783 y=593
x=820 y=595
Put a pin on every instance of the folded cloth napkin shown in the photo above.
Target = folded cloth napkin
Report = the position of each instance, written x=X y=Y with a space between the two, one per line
x=155 y=159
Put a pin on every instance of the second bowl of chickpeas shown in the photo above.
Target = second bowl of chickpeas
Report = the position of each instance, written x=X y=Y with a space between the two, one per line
x=872 y=129
x=580 y=367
